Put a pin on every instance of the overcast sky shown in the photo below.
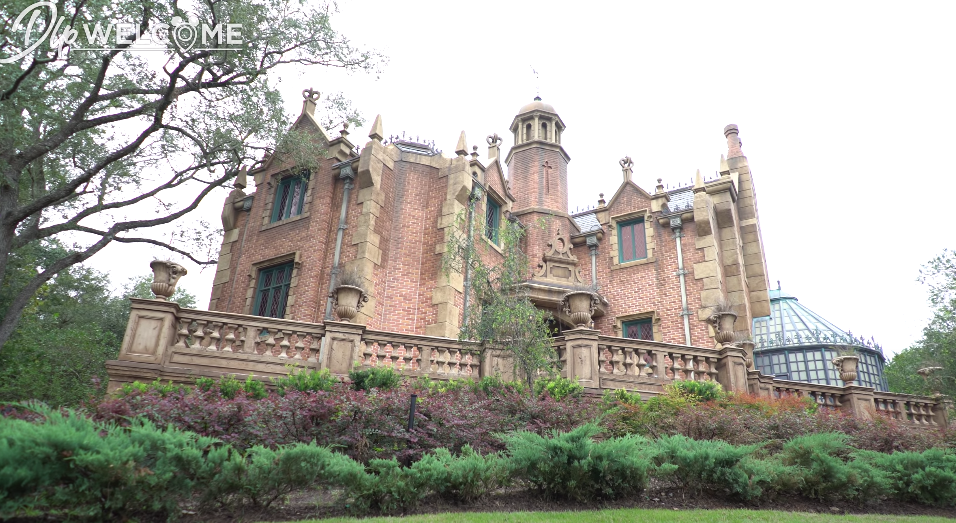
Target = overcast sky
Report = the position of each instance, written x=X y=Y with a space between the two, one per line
x=846 y=113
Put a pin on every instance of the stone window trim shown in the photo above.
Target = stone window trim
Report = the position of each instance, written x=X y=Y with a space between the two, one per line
x=619 y=322
x=253 y=276
x=273 y=186
x=612 y=228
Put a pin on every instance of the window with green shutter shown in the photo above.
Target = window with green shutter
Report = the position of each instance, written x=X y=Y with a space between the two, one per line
x=492 y=220
x=272 y=291
x=631 y=242
x=290 y=196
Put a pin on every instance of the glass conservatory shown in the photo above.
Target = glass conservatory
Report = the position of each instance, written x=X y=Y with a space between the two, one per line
x=795 y=343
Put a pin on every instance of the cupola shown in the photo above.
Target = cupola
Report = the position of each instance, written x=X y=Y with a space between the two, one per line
x=537 y=121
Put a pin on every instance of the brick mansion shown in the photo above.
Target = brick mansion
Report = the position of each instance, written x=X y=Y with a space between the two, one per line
x=660 y=259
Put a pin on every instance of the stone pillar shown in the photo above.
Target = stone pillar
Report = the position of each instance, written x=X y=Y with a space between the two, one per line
x=732 y=369
x=581 y=346
x=759 y=384
x=858 y=401
x=944 y=407
x=343 y=342
x=150 y=331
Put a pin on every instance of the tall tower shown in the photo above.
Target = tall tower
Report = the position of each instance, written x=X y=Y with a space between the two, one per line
x=538 y=172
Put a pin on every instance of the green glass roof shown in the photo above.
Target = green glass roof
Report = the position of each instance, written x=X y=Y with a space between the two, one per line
x=793 y=324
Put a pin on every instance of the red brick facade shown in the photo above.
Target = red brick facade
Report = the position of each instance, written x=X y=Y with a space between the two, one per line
x=405 y=196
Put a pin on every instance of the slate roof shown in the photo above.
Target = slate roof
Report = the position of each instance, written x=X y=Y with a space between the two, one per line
x=587 y=222
x=681 y=199
x=414 y=147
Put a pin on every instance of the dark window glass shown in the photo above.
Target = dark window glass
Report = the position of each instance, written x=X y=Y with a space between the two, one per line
x=492 y=221
x=639 y=330
x=272 y=291
x=290 y=196
x=632 y=244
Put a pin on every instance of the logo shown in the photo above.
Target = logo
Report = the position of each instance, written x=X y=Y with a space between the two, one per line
x=183 y=34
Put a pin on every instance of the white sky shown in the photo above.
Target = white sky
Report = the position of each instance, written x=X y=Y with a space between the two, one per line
x=846 y=112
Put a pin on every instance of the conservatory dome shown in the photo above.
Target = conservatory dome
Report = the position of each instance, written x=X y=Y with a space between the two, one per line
x=795 y=343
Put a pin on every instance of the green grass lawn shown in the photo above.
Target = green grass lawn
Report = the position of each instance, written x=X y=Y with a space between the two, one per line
x=650 y=515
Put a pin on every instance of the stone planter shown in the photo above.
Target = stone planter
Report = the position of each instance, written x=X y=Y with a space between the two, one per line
x=579 y=306
x=165 y=276
x=724 y=327
x=846 y=366
x=348 y=301
x=748 y=346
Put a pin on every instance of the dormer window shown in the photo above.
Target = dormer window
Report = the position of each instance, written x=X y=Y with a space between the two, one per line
x=632 y=243
x=290 y=196
x=492 y=221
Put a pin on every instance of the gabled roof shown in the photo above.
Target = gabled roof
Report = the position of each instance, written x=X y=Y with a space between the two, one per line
x=620 y=190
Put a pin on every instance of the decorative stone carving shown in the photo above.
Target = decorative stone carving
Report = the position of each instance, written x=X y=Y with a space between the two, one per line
x=579 y=306
x=348 y=301
x=558 y=263
x=846 y=366
x=165 y=276
x=748 y=346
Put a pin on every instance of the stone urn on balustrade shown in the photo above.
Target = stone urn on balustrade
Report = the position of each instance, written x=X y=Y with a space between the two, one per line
x=347 y=300
x=724 y=326
x=748 y=345
x=846 y=366
x=165 y=276
x=579 y=306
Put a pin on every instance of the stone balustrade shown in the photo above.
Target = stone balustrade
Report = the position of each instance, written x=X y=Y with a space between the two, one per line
x=167 y=342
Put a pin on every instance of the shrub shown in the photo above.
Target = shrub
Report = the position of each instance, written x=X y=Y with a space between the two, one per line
x=558 y=388
x=84 y=468
x=163 y=389
x=306 y=381
x=204 y=384
x=571 y=465
x=492 y=385
x=388 y=488
x=383 y=378
x=229 y=386
x=442 y=386
x=464 y=479
x=825 y=473
x=263 y=475
x=699 y=390
x=620 y=396
x=698 y=465
x=925 y=477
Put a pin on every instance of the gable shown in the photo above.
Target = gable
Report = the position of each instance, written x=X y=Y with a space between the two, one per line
x=629 y=197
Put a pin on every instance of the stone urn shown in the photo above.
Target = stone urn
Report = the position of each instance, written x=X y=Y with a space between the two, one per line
x=724 y=327
x=165 y=276
x=579 y=306
x=347 y=300
x=846 y=365
x=748 y=346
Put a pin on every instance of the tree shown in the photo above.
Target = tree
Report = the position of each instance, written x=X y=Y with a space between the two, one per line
x=98 y=146
x=937 y=347
x=70 y=328
x=500 y=314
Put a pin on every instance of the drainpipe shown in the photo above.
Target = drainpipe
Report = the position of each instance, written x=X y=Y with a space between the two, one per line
x=677 y=228
x=345 y=173
x=593 y=247
x=472 y=199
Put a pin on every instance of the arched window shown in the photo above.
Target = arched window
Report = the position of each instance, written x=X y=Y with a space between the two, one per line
x=544 y=131
x=527 y=133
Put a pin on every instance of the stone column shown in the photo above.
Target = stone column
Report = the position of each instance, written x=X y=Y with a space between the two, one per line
x=343 y=341
x=944 y=407
x=732 y=369
x=581 y=346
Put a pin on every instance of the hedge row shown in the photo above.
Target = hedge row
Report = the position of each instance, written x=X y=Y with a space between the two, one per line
x=72 y=466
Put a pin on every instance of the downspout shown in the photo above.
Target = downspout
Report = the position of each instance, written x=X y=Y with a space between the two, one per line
x=593 y=247
x=472 y=199
x=677 y=228
x=345 y=173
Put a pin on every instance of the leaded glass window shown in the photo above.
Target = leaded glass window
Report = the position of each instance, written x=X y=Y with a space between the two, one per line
x=632 y=244
x=290 y=196
x=492 y=221
x=272 y=291
x=639 y=329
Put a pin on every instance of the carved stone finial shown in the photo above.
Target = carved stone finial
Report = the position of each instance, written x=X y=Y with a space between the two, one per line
x=660 y=187
x=311 y=94
x=377 y=134
x=601 y=202
x=493 y=140
x=724 y=169
x=627 y=165
x=474 y=152
x=345 y=130
x=462 y=148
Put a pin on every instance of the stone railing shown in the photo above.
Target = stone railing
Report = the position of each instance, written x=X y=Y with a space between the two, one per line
x=170 y=343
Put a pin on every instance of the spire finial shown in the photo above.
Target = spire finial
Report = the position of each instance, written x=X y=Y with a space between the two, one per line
x=724 y=169
x=660 y=187
x=698 y=181
x=462 y=148
x=474 y=152
x=601 y=202
x=377 y=133
x=310 y=96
